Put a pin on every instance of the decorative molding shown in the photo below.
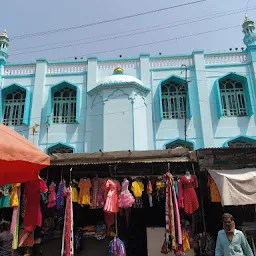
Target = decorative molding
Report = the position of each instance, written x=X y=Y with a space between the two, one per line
x=19 y=70
x=116 y=63
x=66 y=68
x=228 y=58
x=170 y=62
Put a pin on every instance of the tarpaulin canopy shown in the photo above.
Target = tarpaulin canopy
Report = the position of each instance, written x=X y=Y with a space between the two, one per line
x=236 y=187
x=20 y=160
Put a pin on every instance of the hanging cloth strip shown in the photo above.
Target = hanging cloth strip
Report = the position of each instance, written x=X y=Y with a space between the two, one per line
x=177 y=214
x=15 y=222
x=68 y=235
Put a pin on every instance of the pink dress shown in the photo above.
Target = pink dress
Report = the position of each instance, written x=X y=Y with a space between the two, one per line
x=52 y=197
x=126 y=199
x=111 y=205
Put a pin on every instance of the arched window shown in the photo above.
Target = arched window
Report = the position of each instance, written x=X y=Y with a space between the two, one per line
x=233 y=98
x=242 y=142
x=64 y=105
x=173 y=100
x=180 y=143
x=60 y=148
x=14 y=107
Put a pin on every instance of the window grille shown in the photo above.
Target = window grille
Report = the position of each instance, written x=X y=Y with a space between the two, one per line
x=181 y=143
x=173 y=100
x=232 y=98
x=64 y=106
x=60 y=149
x=14 y=105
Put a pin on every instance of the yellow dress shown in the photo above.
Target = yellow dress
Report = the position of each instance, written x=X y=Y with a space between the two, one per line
x=185 y=241
x=14 y=199
x=137 y=188
x=84 y=194
x=74 y=195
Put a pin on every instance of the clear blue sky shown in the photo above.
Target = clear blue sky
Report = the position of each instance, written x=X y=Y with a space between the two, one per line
x=30 y=16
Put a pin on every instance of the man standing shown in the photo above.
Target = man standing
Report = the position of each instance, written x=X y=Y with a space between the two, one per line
x=231 y=241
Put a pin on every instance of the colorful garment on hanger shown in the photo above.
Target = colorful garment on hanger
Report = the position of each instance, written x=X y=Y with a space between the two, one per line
x=68 y=235
x=84 y=193
x=14 y=198
x=190 y=197
x=60 y=195
x=33 y=215
x=137 y=188
x=97 y=194
x=15 y=221
x=185 y=241
x=52 y=197
x=75 y=195
x=111 y=204
x=176 y=187
x=5 y=196
x=214 y=192
x=180 y=195
x=177 y=217
x=116 y=247
x=149 y=192
x=126 y=199
x=169 y=212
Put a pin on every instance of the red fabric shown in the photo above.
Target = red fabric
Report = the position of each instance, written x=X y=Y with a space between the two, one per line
x=33 y=215
x=20 y=160
x=189 y=193
x=68 y=227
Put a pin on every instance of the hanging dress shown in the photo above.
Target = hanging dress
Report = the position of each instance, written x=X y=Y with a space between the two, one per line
x=5 y=196
x=14 y=197
x=33 y=215
x=97 y=194
x=189 y=193
x=111 y=205
x=84 y=194
x=137 y=189
x=52 y=197
x=126 y=199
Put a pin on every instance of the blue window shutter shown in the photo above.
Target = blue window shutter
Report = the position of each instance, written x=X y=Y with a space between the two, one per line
x=160 y=101
x=49 y=106
x=218 y=99
x=189 y=113
x=248 y=99
x=78 y=100
x=1 y=106
x=27 y=108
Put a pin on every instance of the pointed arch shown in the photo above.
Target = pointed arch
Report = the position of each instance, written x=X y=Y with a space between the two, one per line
x=233 y=96
x=16 y=105
x=173 y=98
x=240 y=141
x=179 y=143
x=64 y=103
x=60 y=148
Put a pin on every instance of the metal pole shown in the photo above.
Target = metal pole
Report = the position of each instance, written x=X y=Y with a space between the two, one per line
x=185 y=103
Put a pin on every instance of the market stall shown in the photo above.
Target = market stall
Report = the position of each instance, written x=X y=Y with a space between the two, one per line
x=228 y=178
x=132 y=194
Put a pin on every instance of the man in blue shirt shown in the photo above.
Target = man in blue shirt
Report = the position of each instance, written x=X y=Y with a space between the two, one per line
x=231 y=241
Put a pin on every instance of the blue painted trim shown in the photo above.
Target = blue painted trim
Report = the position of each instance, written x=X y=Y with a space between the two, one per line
x=51 y=145
x=27 y=108
x=18 y=76
x=133 y=128
x=153 y=117
x=67 y=61
x=243 y=137
x=67 y=74
x=223 y=52
x=170 y=56
x=171 y=68
x=20 y=63
x=117 y=59
x=228 y=65
x=42 y=60
x=177 y=139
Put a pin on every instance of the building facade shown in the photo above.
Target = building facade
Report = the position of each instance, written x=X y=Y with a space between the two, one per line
x=136 y=103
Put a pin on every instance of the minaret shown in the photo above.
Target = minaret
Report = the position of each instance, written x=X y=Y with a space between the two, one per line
x=4 y=43
x=250 y=35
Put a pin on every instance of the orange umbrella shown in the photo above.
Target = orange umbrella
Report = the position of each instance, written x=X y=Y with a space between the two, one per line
x=20 y=160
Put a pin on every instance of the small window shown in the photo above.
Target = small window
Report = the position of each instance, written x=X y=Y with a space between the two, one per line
x=14 y=106
x=64 y=105
x=180 y=143
x=242 y=142
x=60 y=149
x=233 y=99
